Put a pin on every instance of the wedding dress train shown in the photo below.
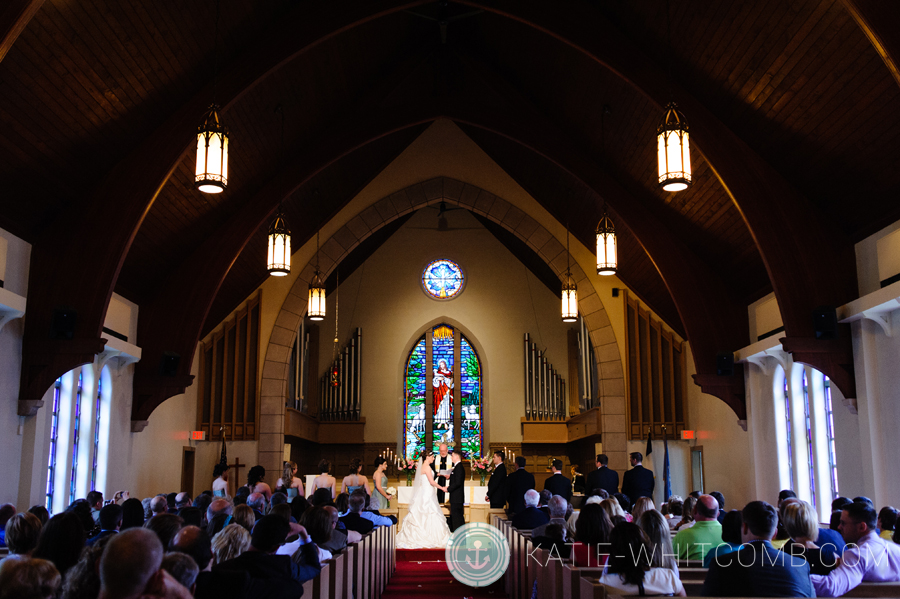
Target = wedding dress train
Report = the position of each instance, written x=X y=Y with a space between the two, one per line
x=425 y=526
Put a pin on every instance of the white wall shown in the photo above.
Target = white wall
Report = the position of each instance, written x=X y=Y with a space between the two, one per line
x=502 y=301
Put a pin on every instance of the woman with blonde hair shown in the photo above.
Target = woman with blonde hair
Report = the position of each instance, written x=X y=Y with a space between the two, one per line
x=292 y=485
x=612 y=508
x=243 y=515
x=640 y=506
x=801 y=524
x=355 y=480
x=654 y=524
x=230 y=542
x=324 y=480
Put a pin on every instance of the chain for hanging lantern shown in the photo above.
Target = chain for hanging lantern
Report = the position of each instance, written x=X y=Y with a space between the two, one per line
x=335 y=371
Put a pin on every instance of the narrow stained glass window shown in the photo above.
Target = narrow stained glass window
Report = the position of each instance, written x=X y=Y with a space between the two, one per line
x=54 y=438
x=74 y=474
x=809 y=441
x=832 y=454
x=470 y=388
x=787 y=419
x=414 y=416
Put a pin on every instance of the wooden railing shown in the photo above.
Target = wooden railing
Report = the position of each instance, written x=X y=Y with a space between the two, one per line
x=533 y=568
x=361 y=571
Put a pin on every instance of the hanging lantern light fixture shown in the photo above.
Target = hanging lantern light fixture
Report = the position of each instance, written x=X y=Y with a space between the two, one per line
x=607 y=249
x=316 y=307
x=673 y=150
x=279 y=256
x=569 y=291
x=211 y=172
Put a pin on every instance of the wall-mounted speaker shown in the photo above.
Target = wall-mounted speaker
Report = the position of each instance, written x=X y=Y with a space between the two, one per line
x=615 y=291
x=825 y=322
x=168 y=365
x=63 y=325
x=724 y=363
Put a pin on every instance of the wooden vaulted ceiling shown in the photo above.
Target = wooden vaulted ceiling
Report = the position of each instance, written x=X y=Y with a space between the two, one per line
x=91 y=90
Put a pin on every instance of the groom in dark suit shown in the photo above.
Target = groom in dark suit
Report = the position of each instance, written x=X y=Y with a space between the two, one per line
x=456 y=490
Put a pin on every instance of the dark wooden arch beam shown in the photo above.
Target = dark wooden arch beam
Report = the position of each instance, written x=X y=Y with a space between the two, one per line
x=14 y=17
x=879 y=21
x=709 y=314
x=76 y=263
x=810 y=262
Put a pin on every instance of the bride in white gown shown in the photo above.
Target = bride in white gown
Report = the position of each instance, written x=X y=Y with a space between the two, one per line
x=425 y=526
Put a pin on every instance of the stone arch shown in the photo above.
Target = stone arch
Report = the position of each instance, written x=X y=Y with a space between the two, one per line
x=404 y=201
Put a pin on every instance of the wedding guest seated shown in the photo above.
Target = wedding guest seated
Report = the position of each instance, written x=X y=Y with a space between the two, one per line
x=277 y=499
x=219 y=506
x=662 y=555
x=232 y=541
x=220 y=484
x=757 y=569
x=182 y=500
x=830 y=541
x=240 y=497
x=244 y=516
x=572 y=519
x=867 y=558
x=674 y=511
x=324 y=481
x=158 y=506
x=61 y=541
x=557 y=508
x=274 y=576
x=592 y=530
x=31 y=578
x=543 y=503
x=22 y=533
x=298 y=506
x=95 y=500
x=720 y=499
x=800 y=522
x=132 y=514
x=257 y=484
x=339 y=538
x=785 y=494
x=613 y=508
x=553 y=539
x=191 y=515
x=354 y=519
x=322 y=497
x=731 y=537
x=517 y=483
x=194 y=541
x=130 y=567
x=687 y=514
x=624 y=503
x=887 y=519
x=41 y=512
x=530 y=517
x=83 y=579
x=289 y=483
x=376 y=519
x=202 y=503
x=110 y=522
x=342 y=502
x=257 y=502
x=182 y=568
x=629 y=571
x=355 y=480
x=317 y=523
x=640 y=506
x=82 y=509
x=165 y=526
x=706 y=533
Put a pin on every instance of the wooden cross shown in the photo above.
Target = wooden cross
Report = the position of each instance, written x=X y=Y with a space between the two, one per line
x=236 y=467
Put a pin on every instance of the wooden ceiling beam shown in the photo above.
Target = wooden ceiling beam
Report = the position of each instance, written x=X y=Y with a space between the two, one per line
x=880 y=22
x=810 y=262
x=76 y=263
x=14 y=17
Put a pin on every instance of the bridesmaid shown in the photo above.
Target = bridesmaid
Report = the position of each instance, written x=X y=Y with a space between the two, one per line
x=324 y=480
x=380 y=497
x=255 y=483
x=292 y=485
x=220 y=484
x=354 y=480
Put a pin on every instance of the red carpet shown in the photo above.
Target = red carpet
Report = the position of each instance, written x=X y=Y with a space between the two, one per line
x=422 y=574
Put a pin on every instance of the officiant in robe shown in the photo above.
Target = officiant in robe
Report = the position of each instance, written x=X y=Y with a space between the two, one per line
x=442 y=462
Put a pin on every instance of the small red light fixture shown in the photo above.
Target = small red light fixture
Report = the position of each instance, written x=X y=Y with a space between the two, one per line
x=687 y=435
x=335 y=377
x=198 y=435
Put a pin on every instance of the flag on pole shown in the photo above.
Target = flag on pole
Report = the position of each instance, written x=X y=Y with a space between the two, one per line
x=649 y=443
x=668 y=490
x=224 y=457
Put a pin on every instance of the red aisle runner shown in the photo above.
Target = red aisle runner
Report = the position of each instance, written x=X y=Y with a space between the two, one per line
x=423 y=574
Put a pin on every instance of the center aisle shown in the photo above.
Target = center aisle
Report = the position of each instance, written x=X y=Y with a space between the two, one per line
x=423 y=574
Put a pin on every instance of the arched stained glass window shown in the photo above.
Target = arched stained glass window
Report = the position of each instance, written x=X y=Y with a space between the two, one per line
x=442 y=364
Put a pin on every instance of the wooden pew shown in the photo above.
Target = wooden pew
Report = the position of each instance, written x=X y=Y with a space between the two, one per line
x=590 y=588
x=571 y=579
x=875 y=589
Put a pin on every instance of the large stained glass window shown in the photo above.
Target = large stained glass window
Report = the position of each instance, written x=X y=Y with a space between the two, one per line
x=441 y=365
x=443 y=279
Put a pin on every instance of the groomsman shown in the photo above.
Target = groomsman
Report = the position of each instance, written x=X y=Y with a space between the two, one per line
x=456 y=490
x=441 y=463
x=496 y=493
x=557 y=483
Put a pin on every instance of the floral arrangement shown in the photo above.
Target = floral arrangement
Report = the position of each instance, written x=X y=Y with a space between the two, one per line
x=483 y=466
x=409 y=466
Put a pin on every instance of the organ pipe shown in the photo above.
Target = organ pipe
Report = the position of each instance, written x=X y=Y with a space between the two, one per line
x=544 y=386
x=343 y=402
